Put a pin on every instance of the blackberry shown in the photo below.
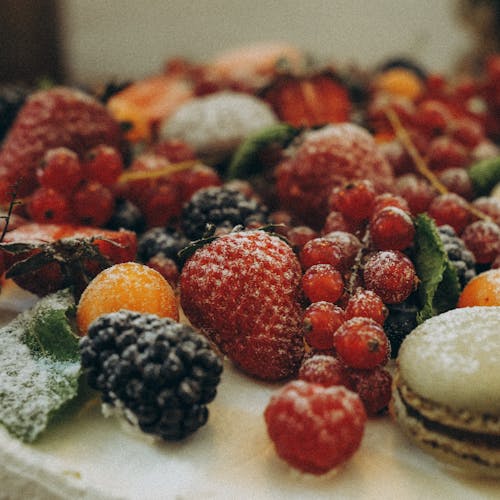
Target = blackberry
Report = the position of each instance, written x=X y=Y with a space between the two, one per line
x=159 y=240
x=159 y=373
x=402 y=319
x=12 y=97
x=221 y=207
x=126 y=215
x=460 y=256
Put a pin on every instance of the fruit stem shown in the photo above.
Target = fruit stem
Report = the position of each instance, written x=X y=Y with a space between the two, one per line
x=420 y=164
x=161 y=172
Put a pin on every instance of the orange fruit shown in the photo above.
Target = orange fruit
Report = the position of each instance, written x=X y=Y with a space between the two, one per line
x=483 y=290
x=128 y=285
x=400 y=82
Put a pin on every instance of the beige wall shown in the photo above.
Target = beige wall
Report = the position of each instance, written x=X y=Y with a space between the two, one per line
x=132 y=38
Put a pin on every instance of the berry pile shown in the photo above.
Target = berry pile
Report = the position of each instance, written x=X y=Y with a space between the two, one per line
x=159 y=373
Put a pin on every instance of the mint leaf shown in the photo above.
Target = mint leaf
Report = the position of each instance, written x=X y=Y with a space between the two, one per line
x=246 y=162
x=485 y=175
x=439 y=286
x=39 y=366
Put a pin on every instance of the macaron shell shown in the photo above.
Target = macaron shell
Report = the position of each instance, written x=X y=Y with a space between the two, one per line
x=454 y=360
x=468 y=457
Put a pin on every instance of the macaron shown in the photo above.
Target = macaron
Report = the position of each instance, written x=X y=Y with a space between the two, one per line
x=446 y=393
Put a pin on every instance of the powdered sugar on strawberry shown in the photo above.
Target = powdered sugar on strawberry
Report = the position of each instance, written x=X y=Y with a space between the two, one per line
x=242 y=290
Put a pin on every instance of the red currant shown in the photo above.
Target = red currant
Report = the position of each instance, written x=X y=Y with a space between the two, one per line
x=488 y=205
x=321 y=320
x=60 y=170
x=362 y=343
x=416 y=191
x=324 y=370
x=432 y=117
x=391 y=275
x=390 y=200
x=349 y=245
x=322 y=282
x=374 y=388
x=320 y=251
x=366 y=304
x=298 y=236
x=467 y=131
x=93 y=204
x=103 y=164
x=482 y=238
x=174 y=150
x=391 y=229
x=451 y=209
x=47 y=205
x=354 y=200
x=457 y=180
x=444 y=152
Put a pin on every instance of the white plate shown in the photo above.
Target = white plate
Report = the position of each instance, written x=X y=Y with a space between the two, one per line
x=88 y=456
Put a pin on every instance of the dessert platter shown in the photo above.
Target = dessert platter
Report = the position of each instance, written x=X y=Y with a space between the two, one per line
x=253 y=277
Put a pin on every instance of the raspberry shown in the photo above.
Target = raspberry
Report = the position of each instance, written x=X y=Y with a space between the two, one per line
x=366 y=304
x=374 y=388
x=60 y=170
x=222 y=207
x=362 y=343
x=326 y=158
x=158 y=373
x=322 y=282
x=354 y=200
x=315 y=428
x=451 y=209
x=391 y=229
x=324 y=370
x=482 y=238
x=390 y=274
x=321 y=320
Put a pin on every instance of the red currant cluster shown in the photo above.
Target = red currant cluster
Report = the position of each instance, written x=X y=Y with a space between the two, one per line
x=76 y=190
x=160 y=198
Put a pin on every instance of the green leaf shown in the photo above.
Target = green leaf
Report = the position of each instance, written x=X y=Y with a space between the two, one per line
x=485 y=175
x=40 y=365
x=439 y=286
x=246 y=162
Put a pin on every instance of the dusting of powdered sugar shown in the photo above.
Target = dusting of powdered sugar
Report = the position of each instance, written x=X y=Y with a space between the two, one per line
x=454 y=359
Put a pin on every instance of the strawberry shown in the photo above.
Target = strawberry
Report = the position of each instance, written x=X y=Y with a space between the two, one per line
x=57 y=117
x=242 y=291
x=309 y=100
x=65 y=254
x=327 y=158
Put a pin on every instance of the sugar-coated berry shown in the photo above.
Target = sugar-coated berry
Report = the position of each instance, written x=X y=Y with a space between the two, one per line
x=128 y=285
x=362 y=343
x=354 y=200
x=349 y=245
x=416 y=191
x=489 y=206
x=444 y=152
x=46 y=205
x=391 y=228
x=482 y=238
x=390 y=200
x=93 y=204
x=321 y=320
x=321 y=251
x=324 y=370
x=298 y=236
x=432 y=116
x=374 y=387
x=467 y=131
x=166 y=267
x=335 y=221
x=314 y=428
x=322 y=282
x=390 y=274
x=366 y=304
x=457 y=180
x=103 y=164
x=60 y=170
x=451 y=209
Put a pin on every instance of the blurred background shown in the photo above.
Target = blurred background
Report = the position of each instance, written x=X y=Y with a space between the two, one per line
x=91 y=41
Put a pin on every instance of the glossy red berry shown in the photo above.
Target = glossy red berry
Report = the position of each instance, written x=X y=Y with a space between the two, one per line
x=320 y=251
x=390 y=200
x=450 y=209
x=354 y=200
x=391 y=275
x=366 y=304
x=47 y=205
x=92 y=204
x=467 y=131
x=321 y=320
x=322 y=282
x=60 y=170
x=391 y=229
x=298 y=236
x=444 y=152
x=103 y=164
x=362 y=343
x=324 y=370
